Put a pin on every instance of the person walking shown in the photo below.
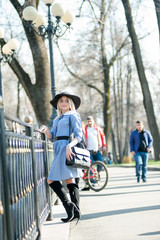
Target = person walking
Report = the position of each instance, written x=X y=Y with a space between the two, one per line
x=95 y=141
x=140 y=144
x=67 y=123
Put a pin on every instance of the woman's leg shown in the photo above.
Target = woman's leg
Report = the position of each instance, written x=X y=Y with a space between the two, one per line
x=61 y=193
x=70 y=180
x=77 y=180
x=49 y=181
x=74 y=195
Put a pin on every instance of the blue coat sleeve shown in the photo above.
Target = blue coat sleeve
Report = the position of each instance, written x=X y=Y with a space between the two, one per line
x=76 y=129
x=53 y=130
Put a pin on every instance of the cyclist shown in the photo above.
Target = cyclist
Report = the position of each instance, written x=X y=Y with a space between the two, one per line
x=95 y=141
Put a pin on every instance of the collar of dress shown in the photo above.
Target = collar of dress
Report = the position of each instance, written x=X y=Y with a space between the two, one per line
x=68 y=113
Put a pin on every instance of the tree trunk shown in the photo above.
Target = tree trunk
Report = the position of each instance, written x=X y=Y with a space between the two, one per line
x=114 y=153
x=120 y=108
x=106 y=73
x=39 y=93
x=147 y=100
x=128 y=86
x=117 y=120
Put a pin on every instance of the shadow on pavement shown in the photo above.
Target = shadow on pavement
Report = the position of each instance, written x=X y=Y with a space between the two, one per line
x=119 y=193
x=150 y=233
x=119 y=212
x=133 y=186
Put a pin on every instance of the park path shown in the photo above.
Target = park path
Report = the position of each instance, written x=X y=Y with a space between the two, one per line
x=124 y=210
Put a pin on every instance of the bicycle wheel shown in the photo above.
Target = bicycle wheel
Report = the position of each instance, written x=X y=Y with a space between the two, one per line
x=97 y=176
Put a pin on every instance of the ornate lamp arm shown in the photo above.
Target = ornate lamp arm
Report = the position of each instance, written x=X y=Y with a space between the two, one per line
x=55 y=27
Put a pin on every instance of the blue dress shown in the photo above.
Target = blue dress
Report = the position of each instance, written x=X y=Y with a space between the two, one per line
x=59 y=170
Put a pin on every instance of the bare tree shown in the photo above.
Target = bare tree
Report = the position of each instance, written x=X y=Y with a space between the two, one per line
x=128 y=93
x=38 y=93
x=97 y=46
x=147 y=100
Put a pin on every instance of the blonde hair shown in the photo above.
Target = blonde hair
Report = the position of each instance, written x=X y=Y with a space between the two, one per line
x=71 y=106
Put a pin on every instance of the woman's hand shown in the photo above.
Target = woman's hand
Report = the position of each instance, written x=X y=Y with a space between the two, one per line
x=45 y=130
x=69 y=152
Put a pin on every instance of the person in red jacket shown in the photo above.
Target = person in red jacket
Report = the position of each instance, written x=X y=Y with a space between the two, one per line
x=95 y=141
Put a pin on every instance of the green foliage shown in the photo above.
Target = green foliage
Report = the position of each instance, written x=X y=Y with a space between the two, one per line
x=155 y=163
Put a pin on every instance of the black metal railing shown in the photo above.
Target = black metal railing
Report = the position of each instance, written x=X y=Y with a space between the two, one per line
x=25 y=198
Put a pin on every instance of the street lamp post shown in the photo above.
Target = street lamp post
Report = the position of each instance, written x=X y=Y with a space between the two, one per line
x=54 y=27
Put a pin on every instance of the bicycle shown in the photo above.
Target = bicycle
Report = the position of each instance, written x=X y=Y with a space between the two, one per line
x=96 y=176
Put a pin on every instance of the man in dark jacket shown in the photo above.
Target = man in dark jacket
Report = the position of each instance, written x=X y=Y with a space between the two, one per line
x=140 y=144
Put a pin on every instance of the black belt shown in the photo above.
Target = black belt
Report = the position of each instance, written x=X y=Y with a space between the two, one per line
x=60 y=138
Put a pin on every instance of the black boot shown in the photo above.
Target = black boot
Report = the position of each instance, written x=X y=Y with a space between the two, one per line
x=69 y=206
x=77 y=181
x=74 y=194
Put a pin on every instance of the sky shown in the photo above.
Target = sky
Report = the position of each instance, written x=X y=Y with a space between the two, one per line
x=146 y=14
x=145 y=18
x=151 y=42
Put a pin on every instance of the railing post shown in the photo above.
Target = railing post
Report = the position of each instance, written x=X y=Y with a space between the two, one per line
x=50 y=216
x=34 y=165
x=8 y=234
x=24 y=166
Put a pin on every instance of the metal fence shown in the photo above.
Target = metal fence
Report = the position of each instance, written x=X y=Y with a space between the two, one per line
x=25 y=198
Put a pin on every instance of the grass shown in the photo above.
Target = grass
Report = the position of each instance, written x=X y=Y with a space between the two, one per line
x=154 y=163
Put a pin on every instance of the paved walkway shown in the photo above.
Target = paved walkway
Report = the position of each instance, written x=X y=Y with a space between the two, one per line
x=125 y=210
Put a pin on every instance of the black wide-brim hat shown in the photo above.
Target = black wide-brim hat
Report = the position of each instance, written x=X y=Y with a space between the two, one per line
x=75 y=99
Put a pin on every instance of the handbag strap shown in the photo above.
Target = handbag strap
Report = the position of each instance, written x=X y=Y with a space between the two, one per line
x=70 y=134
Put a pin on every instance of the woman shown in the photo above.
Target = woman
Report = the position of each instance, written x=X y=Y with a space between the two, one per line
x=68 y=122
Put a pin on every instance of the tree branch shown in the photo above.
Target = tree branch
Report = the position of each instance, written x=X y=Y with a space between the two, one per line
x=18 y=70
x=23 y=77
x=117 y=52
x=75 y=75
x=94 y=12
x=17 y=6
x=80 y=9
x=108 y=9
